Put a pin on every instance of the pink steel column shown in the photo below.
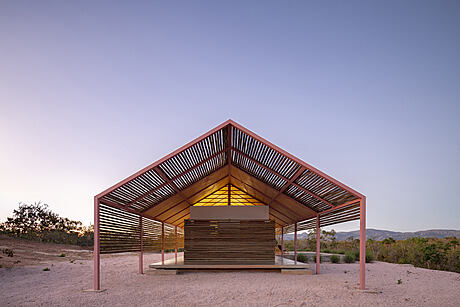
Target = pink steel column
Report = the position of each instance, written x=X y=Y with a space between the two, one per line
x=282 y=242
x=362 y=244
x=162 y=242
x=141 y=255
x=175 y=234
x=295 y=243
x=318 y=245
x=96 y=254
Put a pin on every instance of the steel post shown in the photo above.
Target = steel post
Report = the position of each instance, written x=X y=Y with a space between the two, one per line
x=97 y=256
x=282 y=242
x=318 y=244
x=141 y=247
x=295 y=243
x=362 y=244
x=162 y=242
x=175 y=234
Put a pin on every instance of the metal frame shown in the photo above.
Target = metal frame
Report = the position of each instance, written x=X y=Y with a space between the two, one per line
x=295 y=243
x=141 y=255
x=328 y=198
x=318 y=244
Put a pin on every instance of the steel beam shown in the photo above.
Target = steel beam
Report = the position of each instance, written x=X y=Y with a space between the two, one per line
x=287 y=184
x=282 y=177
x=182 y=201
x=229 y=147
x=277 y=202
x=295 y=159
x=348 y=203
x=172 y=154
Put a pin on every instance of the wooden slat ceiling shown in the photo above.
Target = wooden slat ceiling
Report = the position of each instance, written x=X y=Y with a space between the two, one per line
x=231 y=154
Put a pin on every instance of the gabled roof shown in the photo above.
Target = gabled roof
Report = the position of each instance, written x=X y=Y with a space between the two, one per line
x=232 y=154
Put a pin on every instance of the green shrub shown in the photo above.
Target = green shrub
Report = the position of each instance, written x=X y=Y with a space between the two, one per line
x=320 y=258
x=369 y=257
x=335 y=259
x=302 y=258
x=327 y=251
x=8 y=252
x=46 y=269
x=349 y=257
x=37 y=222
x=399 y=281
x=62 y=255
x=356 y=254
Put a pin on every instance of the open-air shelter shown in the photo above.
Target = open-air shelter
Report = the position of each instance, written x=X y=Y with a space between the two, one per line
x=223 y=176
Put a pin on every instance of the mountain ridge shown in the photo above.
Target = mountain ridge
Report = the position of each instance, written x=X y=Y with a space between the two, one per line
x=379 y=234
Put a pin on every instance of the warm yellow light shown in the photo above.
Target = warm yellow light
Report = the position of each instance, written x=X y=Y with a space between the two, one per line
x=237 y=198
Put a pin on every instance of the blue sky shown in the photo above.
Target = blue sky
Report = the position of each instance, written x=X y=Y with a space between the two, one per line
x=367 y=92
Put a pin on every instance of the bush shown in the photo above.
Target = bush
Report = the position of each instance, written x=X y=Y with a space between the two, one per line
x=356 y=254
x=302 y=258
x=37 y=222
x=369 y=257
x=335 y=259
x=320 y=258
x=62 y=255
x=349 y=257
x=8 y=252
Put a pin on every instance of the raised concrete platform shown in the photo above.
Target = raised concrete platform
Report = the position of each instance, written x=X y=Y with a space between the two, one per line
x=283 y=265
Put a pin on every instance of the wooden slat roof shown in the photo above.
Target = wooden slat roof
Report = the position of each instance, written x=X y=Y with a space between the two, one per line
x=232 y=154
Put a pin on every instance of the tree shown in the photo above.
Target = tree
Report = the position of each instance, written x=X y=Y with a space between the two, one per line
x=38 y=218
x=37 y=221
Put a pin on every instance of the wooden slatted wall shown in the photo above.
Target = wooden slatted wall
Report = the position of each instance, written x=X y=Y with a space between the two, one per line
x=229 y=242
x=119 y=232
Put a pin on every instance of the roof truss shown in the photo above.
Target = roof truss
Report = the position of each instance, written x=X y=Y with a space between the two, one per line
x=230 y=154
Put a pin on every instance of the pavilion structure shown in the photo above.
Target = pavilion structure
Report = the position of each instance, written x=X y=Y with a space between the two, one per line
x=216 y=191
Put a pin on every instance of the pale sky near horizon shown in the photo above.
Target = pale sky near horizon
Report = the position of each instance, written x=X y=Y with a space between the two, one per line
x=368 y=92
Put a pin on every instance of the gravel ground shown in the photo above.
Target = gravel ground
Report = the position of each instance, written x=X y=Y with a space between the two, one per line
x=63 y=285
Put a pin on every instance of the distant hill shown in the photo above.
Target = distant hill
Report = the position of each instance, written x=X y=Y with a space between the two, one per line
x=379 y=235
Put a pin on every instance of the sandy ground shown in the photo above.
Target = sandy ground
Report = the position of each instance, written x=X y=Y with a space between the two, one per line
x=63 y=285
x=27 y=252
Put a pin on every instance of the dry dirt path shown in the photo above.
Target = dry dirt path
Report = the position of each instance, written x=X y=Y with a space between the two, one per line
x=63 y=285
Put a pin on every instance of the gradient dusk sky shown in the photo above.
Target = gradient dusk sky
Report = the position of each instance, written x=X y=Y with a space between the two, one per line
x=368 y=92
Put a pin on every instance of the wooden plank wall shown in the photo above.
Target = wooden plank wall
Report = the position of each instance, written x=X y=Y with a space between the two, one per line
x=229 y=242
x=119 y=232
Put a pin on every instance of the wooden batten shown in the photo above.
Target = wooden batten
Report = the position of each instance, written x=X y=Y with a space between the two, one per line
x=229 y=242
